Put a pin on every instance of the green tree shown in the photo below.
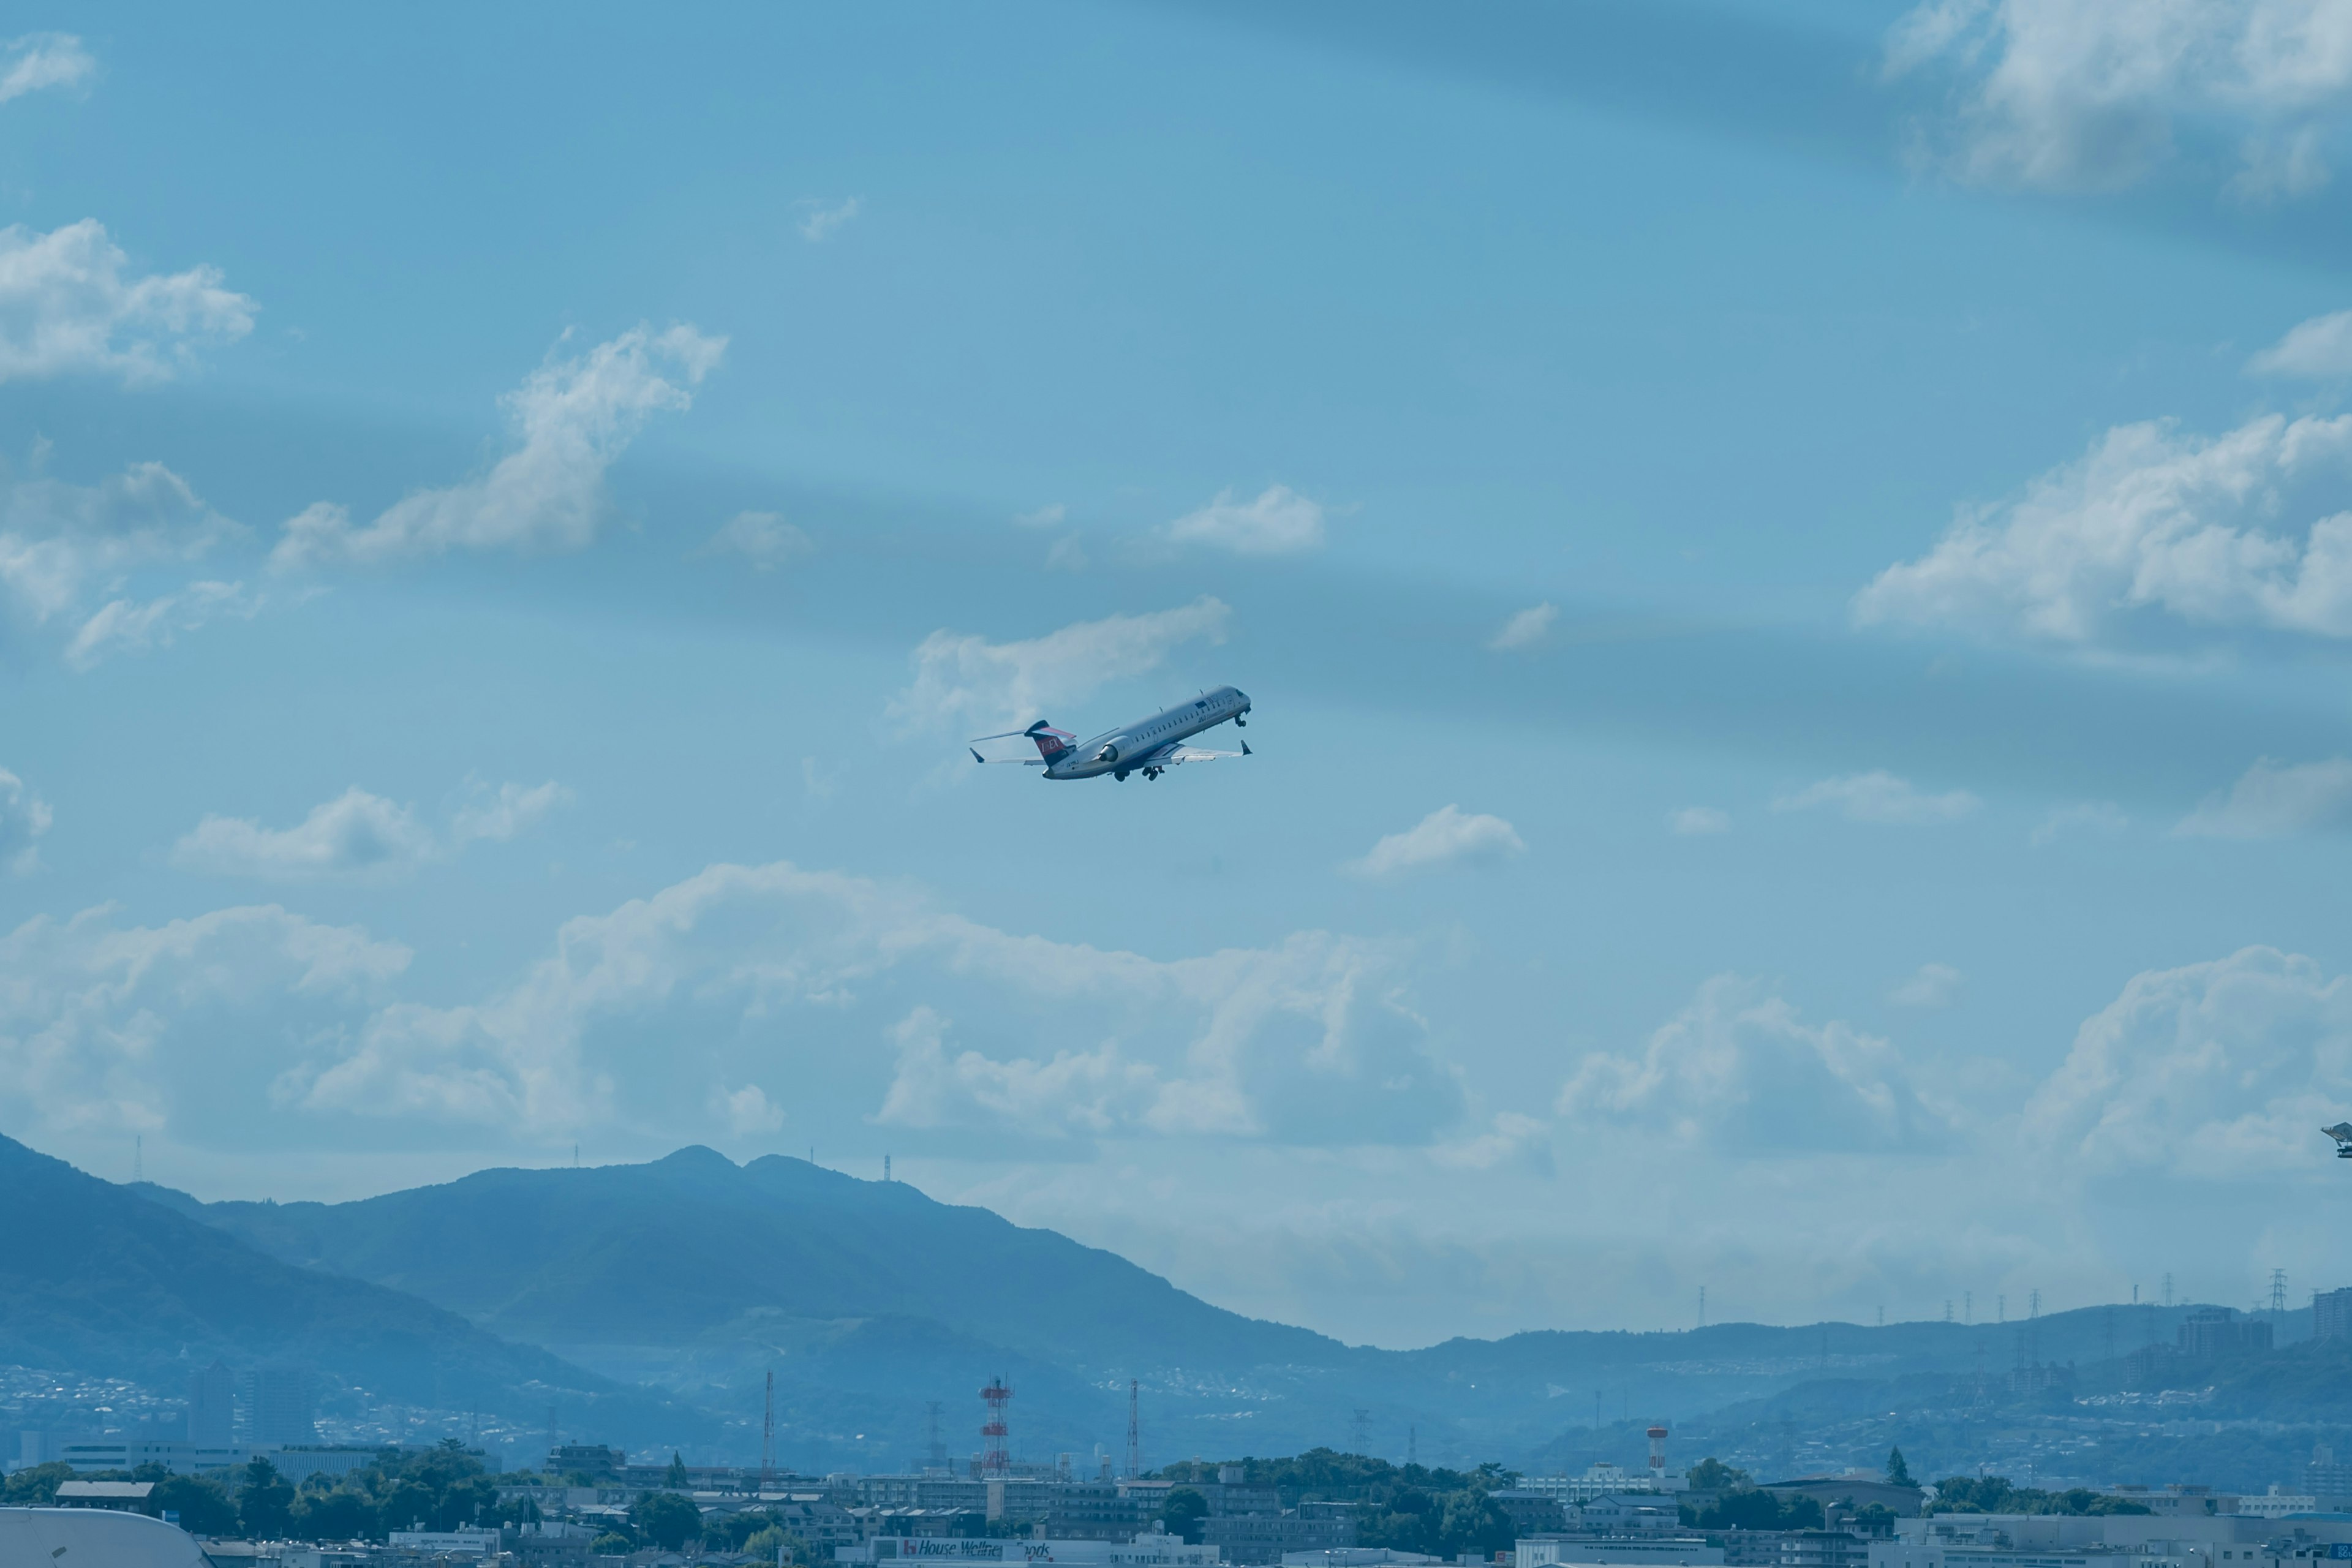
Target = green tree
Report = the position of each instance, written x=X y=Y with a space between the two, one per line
x=1898 y=1473
x=1182 y=1513
x=677 y=1476
x=610 y=1544
x=202 y=1503
x=38 y=1487
x=667 y=1519
x=406 y=1504
x=340 y=1514
x=1712 y=1475
x=265 y=1503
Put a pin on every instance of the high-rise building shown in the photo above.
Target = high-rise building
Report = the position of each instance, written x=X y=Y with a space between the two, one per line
x=277 y=1408
x=2331 y=1315
x=212 y=1407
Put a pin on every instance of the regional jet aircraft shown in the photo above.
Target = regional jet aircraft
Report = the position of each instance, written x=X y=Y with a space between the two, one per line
x=2342 y=1134
x=1149 y=746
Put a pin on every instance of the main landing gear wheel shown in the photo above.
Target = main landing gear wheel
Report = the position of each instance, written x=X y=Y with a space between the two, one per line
x=1120 y=775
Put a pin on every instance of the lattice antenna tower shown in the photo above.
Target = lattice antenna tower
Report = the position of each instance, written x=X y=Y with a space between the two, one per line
x=768 y=1434
x=1134 y=1435
x=935 y=1452
x=2278 y=1293
x=1360 y=1429
x=996 y=1454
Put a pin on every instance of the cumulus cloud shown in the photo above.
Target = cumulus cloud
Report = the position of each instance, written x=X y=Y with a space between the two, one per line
x=40 y=60
x=2272 y=800
x=1738 y=1070
x=70 y=303
x=2151 y=523
x=1512 y=1141
x=1047 y=516
x=105 y=1025
x=2074 y=95
x=2319 y=349
x=356 y=837
x=1525 y=630
x=106 y=565
x=748 y=1111
x=2219 y=1069
x=500 y=815
x=24 y=817
x=1694 y=820
x=573 y=419
x=1879 y=797
x=1306 y=1040
x=762 y=538
x=1280 y=521
x=968 y=682
x=819 y=221
x=1930 y=988
x=1446 y=836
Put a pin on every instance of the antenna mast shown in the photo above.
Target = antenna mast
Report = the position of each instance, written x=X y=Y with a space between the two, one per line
x=995 y=1457
x=768 y=1434
x=1134 y=1436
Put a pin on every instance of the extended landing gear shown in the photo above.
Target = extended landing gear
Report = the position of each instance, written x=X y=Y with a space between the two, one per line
x=1120 y=775
x=1240 y=720
x=1152 y=772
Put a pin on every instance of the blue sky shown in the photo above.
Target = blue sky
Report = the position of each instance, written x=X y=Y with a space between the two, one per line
x=1784 y=556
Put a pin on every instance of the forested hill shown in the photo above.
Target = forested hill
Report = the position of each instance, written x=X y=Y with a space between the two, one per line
x=97 y=1282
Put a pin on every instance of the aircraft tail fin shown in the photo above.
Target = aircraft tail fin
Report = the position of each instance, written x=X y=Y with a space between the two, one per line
x=1051 y=742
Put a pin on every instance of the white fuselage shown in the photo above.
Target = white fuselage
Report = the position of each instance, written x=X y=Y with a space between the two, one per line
x=1138 y=744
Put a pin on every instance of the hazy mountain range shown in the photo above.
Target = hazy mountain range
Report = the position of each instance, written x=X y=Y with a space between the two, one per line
x=644 y=1304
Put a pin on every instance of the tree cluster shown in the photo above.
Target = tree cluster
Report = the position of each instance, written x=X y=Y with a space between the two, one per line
x=1994 y=1494
x=1407 y=1507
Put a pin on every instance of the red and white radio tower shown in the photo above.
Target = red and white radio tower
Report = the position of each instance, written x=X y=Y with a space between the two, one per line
x=995 y=1458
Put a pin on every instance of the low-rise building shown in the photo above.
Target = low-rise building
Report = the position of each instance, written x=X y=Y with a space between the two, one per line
x=1663 y=1551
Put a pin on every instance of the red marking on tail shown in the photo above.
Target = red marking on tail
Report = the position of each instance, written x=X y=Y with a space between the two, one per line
x=1051 y=742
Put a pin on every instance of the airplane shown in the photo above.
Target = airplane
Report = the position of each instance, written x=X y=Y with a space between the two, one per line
x=2342 y=1134
x=1149 y=746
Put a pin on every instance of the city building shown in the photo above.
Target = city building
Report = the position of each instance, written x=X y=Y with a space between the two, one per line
x=1603 y=1479
x=1861 y=1488
x=2210 y=1331
x=277 y=1408
x=1150 y=1550
x=1663 y=1551
x=212 y=1407
x=2276 y=1504
x=2327 y=1481
x=130 y=1495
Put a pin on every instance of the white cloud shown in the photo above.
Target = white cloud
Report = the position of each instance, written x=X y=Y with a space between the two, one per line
x=2319 y=349
x=357 y=837
x=356 y=834
x=748 y=1111
x=1740 y=1070
x=1881 y=798
x=1512 y=1141
x=1525 y=629
x=24 y=817
x=573 y=419
x=2086 y=94
x=1303 y=1041
x=66 y=305
x=969 y=683
x=1692 y=820
x=2223 y=1069
x=107 y=1025
x=819 y=221
x=1446 y=836
x=762 y=538
x=130 y=626
x=2090 y=816
x=500 y=815
x=2149 y=522
x=2272 y=800
x=1931 y=987
x=40 y=60
x=1280 y=521
x=138 y=534
x=1047 y=516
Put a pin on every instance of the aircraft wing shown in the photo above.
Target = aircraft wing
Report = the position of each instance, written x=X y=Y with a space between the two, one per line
x=1196 y=754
